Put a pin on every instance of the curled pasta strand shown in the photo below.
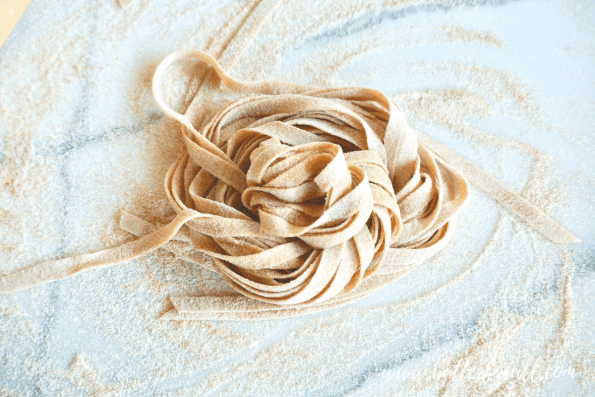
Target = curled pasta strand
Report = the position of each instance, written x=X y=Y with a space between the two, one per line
x=301 y=198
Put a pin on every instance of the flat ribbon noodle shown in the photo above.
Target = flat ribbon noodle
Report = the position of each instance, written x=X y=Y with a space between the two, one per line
x=301 y=198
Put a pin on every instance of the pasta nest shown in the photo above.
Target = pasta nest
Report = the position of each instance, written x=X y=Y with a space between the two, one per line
x=303 y=193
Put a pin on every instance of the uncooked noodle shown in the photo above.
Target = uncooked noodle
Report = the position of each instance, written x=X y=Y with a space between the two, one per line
x=302 y=198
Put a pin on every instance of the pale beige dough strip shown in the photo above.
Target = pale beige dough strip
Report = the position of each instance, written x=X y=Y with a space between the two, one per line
x=505 y=196
x=237 y=308
x=63 y=268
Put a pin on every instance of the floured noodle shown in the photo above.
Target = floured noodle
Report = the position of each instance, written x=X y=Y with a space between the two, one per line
x=302 y=198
